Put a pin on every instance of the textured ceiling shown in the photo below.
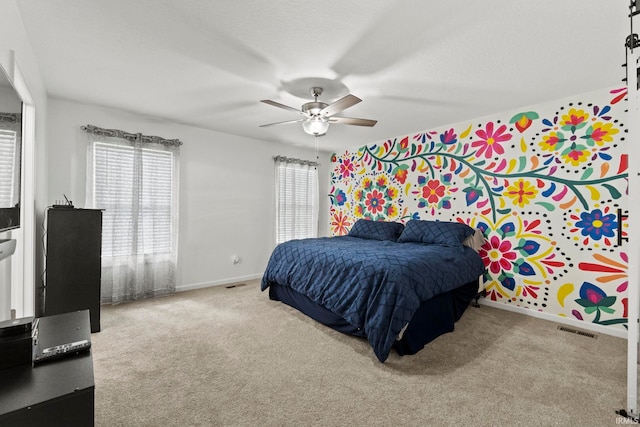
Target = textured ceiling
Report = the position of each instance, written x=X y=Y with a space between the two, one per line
x=416 y=64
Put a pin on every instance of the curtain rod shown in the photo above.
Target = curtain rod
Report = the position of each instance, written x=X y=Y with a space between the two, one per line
x=299 y=161
x=116 y=133
x=10 y=117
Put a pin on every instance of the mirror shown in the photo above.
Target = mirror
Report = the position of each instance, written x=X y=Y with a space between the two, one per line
x=10 y=154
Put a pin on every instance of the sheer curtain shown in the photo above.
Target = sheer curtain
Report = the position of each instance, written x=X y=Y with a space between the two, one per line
x=296 y=201
x=134 y=179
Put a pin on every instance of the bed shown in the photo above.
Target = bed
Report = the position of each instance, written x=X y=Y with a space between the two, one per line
x=398 y=286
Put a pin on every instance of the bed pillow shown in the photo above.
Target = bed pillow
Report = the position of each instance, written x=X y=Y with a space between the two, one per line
x=475 y=241
x=436 y=232
x=376 y=230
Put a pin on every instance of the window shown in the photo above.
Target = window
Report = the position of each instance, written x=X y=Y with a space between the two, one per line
x=296 y=199
x=114 y=178
x=134 y=179
x=8 y=164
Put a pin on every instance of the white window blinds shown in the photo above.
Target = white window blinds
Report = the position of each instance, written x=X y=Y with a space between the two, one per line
x=296 y=199
x=8 y=164
x=115 y=171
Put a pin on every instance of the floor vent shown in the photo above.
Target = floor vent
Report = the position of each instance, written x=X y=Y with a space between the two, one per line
x=577 y=332
x=235 y=286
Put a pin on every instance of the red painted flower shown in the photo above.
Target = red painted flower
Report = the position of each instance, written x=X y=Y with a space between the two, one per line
x=340 y=224
x=497 y=255
x=346 y=168
x=401 y=175
x=489 y=141
x=433 y=191
x=375 y=201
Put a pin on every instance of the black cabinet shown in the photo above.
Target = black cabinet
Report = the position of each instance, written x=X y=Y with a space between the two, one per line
x=56 y=393
x=73 y=249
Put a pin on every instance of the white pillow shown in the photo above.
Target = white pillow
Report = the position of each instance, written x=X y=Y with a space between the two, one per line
x=475 y=241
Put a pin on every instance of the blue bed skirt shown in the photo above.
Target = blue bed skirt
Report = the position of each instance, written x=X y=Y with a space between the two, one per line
x=433 y=318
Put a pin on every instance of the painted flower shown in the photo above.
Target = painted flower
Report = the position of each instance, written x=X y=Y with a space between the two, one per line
x=498 y=255
x=595 y=224
x=552 y=142
x=524 y=120
x=489 y=141
x=346 y=168
x=432 y=191
x=375 y=201
x=367 y=183
x=521 y=192
x=574 y=119
x=599 y=133
x=340 y=224
x=448 y=137
x=339 y=197
x=593 y=296
x=575 y=155
x=358 y=195
x=391 y=210
x=391 y=193
x=403 y=144
x=381 y=181
x=400 y=173
x=472 y=194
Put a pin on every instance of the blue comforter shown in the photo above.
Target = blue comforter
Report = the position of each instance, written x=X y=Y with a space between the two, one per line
x=374 y=285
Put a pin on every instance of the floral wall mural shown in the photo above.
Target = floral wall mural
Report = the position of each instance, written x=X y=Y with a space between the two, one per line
x=547 y=186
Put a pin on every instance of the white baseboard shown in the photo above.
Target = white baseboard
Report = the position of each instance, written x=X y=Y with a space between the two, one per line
x=222 y=282
x=594 y=327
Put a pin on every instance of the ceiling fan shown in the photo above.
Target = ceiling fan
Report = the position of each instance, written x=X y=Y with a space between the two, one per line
x=318 y=115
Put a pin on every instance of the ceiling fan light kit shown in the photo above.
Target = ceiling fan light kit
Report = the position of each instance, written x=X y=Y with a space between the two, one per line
x=315 y=126
x=318 y=114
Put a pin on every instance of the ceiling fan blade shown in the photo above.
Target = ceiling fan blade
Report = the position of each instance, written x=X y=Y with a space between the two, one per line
x=284 y=107
x=352 y=121
x=341 y=104
x=281 y=123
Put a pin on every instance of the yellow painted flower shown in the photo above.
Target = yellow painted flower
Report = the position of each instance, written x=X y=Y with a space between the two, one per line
x=602 y=132
x=574 y=119
x=576 y=156
x=392 y=193
x=381 y=181
x=552 y=142
x=521 y=192
x=391 y=211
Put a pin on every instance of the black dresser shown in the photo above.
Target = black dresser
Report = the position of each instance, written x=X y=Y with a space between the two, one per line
x=73 y=267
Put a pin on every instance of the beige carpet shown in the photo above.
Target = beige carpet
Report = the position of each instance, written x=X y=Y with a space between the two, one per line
x=232 y=357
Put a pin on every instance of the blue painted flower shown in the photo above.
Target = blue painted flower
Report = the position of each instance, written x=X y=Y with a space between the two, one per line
x=595 y=300
x=595 y=224
x=340 y=197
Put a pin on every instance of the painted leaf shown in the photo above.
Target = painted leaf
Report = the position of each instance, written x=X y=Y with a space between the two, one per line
x=585 y=302
x=607 y=301
x=587 y=173
x=613 y=191
x=595 y=194
x=549 y=191
x=548 y=206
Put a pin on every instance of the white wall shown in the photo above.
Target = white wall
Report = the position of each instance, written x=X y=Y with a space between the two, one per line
x=226 y=188
x=13 y=37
